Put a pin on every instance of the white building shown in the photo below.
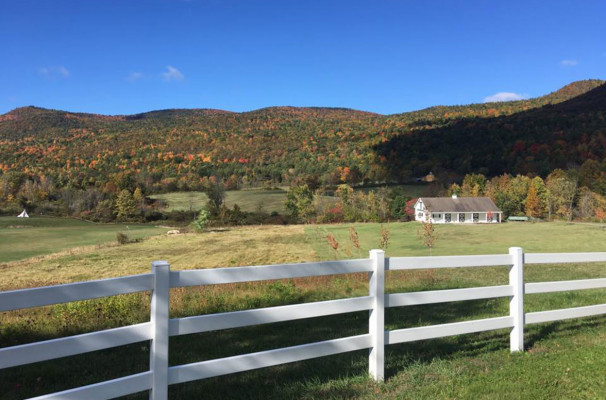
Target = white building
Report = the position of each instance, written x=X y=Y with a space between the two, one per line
x=448 y=210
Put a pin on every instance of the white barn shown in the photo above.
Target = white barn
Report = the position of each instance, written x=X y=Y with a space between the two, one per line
x=450 y=210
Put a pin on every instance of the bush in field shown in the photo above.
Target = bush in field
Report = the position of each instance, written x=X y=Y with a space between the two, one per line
x=122 y=238
x=332 y=214
x=201 y=221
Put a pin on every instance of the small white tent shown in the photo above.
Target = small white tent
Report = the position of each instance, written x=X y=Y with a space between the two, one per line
x=23 y=215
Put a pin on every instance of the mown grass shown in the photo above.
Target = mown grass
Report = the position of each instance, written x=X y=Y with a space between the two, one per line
x=463 y=239
x=564 y=360
x=36 y=236
x=251 y=200
x=256 y=199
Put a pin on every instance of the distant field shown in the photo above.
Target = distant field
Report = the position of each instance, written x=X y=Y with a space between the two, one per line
x=255 y=199
x=410 y=190
x=28 y=237
x=248 y=200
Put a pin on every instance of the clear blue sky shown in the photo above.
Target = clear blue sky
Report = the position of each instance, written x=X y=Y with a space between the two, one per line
x=123 y=57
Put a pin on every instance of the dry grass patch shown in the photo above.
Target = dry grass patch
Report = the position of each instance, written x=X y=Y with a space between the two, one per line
x=251 y=245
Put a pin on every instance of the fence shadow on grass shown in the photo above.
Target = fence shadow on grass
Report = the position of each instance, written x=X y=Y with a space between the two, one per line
x=340 y=376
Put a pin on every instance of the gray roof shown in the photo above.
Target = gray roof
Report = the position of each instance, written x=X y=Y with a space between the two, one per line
x=460 y=204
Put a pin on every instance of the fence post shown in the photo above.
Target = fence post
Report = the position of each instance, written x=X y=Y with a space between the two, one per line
x=516 y=303
x=376 y=321
x=158 y=350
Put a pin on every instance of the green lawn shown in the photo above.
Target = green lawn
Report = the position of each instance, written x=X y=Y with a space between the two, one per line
x=255 y=199
x=463 y=239
x=28 y=237
x=248 y=199
x=563 y=360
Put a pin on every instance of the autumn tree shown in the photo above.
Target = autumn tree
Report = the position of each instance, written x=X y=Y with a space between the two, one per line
x=535 y=203
x=473 y=185
x=539 y=186
x=561 y=191
x=590 y=174
x=427 y=234
x=519 y=191
x=299 y=203
x=455 y=189
x=532 y=206
x=139 y=199
x=586 y=203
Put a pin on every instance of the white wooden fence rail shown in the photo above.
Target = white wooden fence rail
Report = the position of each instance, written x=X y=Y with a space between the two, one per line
x=161 y=327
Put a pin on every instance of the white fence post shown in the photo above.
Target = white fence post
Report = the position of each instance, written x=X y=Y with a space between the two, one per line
x=376 y=322
x=158 y=351
x=516 y=303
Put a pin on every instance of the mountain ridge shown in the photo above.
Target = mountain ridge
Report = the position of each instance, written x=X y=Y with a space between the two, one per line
x=174 y=149
x=568 y=91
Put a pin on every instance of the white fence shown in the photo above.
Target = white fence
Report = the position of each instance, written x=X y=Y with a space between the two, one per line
x=161 y=327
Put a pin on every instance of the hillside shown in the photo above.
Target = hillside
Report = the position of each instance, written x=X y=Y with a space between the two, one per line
x=537 y=140
x=171 y=149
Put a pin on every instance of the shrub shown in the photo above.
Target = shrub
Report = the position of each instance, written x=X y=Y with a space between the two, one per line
x=201 y=221
x=333 y=214
x=122 y=238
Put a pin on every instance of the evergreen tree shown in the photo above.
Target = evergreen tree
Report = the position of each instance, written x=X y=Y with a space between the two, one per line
x=125 y=205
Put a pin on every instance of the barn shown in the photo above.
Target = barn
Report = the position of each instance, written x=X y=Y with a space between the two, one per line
x=457 y=210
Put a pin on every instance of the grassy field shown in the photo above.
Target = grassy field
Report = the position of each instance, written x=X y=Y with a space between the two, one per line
x=564 y=360
x=467 y=239
x=220 y=248
x=248 y=199
x=256 y=199
x=28 y=237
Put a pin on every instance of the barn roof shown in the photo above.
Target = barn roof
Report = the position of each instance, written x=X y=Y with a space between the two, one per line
x=459 y=204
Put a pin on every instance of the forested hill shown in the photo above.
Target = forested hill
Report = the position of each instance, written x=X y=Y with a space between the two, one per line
x=168 y=149
x=537 y=140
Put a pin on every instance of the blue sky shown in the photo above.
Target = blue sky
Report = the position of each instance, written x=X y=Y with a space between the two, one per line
x=123 y=57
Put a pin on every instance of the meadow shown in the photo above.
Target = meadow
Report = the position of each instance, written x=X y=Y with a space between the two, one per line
x=251 y=200
x=259 y=199
x=37 y=236
x=563 y=360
